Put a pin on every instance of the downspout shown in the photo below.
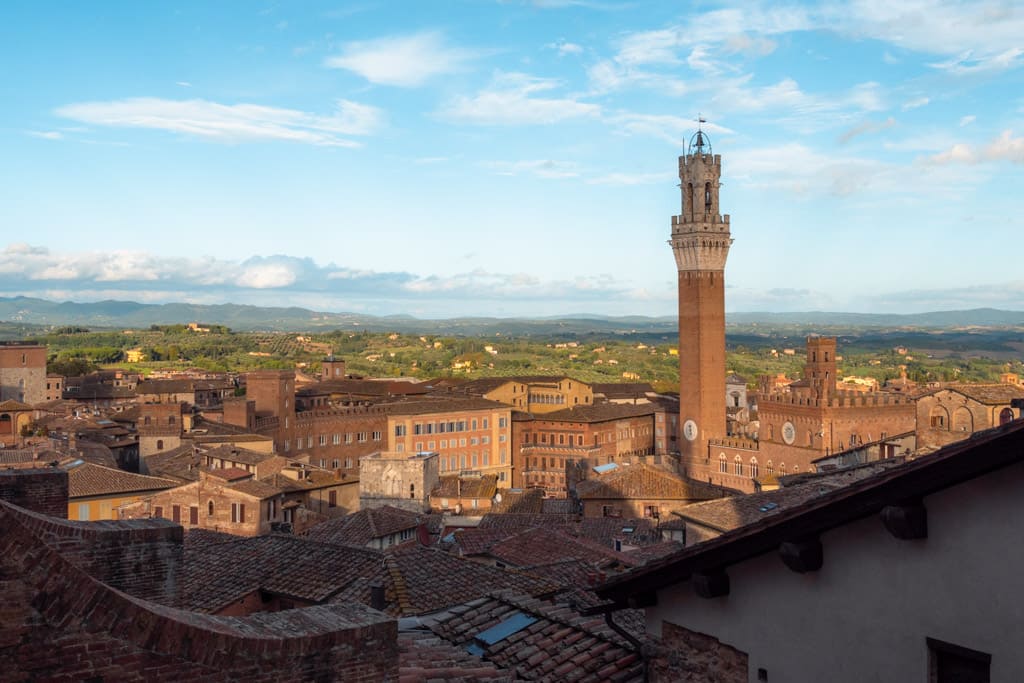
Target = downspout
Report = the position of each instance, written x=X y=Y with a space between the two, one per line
x=638 y=646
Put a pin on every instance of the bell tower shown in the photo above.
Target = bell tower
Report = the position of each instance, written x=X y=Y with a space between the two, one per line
x=700 y=242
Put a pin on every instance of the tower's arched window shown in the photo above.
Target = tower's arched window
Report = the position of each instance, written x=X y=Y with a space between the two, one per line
x=210 y=509
x=707 y=197
x=738 y=465
x=723 y=466
x=1005 y=415
x=754 y=470
x=691 y=197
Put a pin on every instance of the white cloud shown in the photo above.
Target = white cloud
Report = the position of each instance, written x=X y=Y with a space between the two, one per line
x=511 y=100
x=543 y=168
x=46 y=134
x=183 y=84
x=231 y=123
x=266 y=276
x=632 y=179
x=404 y=61
x=667 y=127
x=1004 y=148
x=915 y=103
x=563 y=48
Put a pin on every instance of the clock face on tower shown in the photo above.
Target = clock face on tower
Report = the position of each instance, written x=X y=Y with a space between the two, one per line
x=690 y=430
x=788 y=433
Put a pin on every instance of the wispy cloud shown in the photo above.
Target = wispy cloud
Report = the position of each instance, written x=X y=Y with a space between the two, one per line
x=46 y=134
x=543 y=168
x=1006 y=147
x=563 y=48
x=866 y=127
x=404 y=61
x=512 y=99
x=667 y=127
x=231 y=122
x=967 y=120
x=272 y=280
x=915 y=103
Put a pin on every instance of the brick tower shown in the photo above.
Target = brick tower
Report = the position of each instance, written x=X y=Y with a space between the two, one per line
x=700 y=242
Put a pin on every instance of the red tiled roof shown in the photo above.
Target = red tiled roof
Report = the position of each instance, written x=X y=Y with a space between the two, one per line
x=217 y=574
x=87 y=480
x=644 y=481
x=423 y=657
x=359 y=528
x=424 y=580
x=557 y=644
x=540 y=545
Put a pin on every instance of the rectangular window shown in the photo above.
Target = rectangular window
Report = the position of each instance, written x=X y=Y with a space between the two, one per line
x=176 y=513
x=348 y=463
x=501 y=422
x=399 y=430
x=430 y=445
x=485 y=440
x=417 y=428
x=336 y=439
x=336 y=463
x=376 y=436
x=238 y=513
x=287 y=446
x=473 y=441
x=348 y=437
x=362 y=437
x=472 y=424
x=83 y=512
x=444 y=443
x=419 y=446
x=501 y=438
x=462 y=442
x=193 y=515
x=950 y=663
x=158 y=511
x=332 y=499
x=485 y=424
x=323 y=439
x=502 y=456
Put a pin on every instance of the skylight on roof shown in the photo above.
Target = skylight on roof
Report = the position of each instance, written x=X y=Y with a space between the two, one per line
x=499 y=632
x=768 y=507
x=628 y=529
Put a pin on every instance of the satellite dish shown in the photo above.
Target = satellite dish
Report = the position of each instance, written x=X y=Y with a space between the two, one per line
x=497 y=497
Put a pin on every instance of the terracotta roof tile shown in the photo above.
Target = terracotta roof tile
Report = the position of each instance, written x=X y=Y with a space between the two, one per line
x=360 y=528
x=88 y=479
x=483 y=487
x=644 y=481
x=553 y=642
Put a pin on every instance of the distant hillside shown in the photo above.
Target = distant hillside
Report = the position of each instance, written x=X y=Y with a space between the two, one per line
x=26 y=311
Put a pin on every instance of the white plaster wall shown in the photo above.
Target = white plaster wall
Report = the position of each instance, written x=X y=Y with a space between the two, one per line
x=865 y=615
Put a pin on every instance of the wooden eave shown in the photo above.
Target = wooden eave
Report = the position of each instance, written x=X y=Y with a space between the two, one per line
x=983 y=453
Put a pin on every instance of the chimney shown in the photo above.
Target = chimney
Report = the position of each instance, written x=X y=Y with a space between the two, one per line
x=377 y=599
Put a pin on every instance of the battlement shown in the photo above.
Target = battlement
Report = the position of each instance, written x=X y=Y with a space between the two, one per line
x=841 y=399
x=311 y=416
x=707 y=218
x=736 y=443
x=706 y=159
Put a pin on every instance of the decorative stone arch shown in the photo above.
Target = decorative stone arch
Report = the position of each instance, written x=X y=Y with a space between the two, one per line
x=770 y=467
x=737 y=464
x=723 y=465
x=1005 y=415
x=938 y=418
x=963 y=420
x=754 y=469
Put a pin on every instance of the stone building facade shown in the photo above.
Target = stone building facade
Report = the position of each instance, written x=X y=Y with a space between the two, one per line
x=955 y=412
x=22 y=372
x=399 y=479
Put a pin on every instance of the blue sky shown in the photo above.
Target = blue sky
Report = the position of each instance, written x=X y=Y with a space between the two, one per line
x=509 y=158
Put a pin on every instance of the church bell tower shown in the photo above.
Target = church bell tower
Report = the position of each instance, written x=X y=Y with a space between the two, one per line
x=700 y=242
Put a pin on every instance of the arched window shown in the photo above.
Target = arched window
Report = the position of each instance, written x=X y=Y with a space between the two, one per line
x=963 y=421
x=723 y=466
x=782 y=468
x=159 y=444
x=738 y=465
x=938 y=418
x=693 y=199
x=707 y=197
x=209 y=508
x=770 y=467
x=412 y=490
x=1005 y=415
x=754 y=471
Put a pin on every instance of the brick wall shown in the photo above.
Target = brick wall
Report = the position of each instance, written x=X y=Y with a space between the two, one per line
x=685 y=656
x=140 y=557
x=41 y=490
x=59 y=624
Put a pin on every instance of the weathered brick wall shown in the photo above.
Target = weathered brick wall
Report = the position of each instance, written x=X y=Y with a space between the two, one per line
x=41 y=490
x=59 y=624
x=685 y=656
x=140 y=557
